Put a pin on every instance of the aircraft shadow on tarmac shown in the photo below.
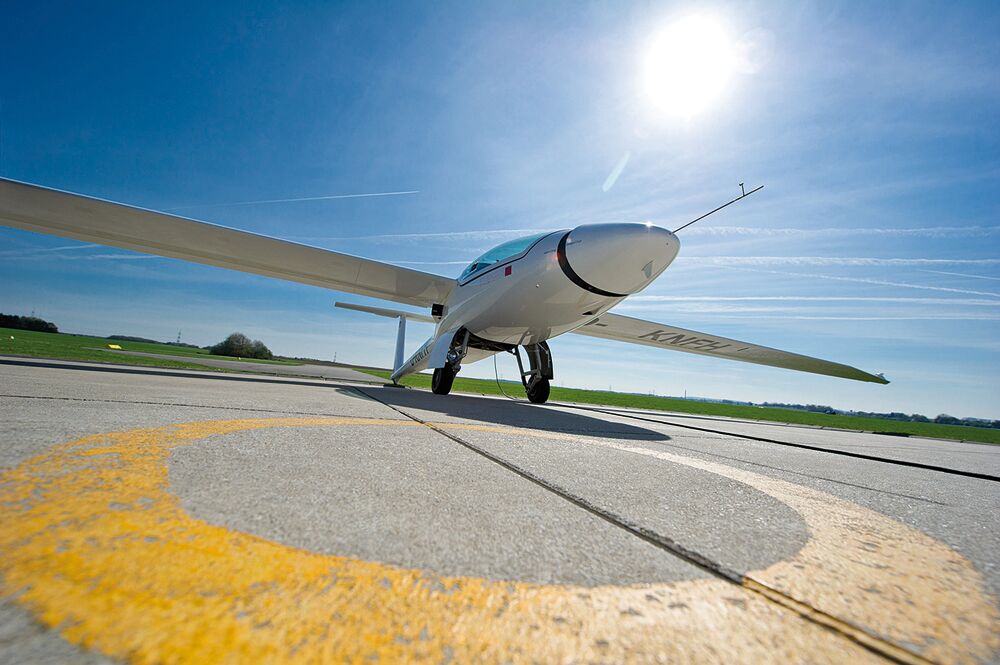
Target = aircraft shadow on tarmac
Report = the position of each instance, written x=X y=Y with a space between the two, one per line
x=509 y=413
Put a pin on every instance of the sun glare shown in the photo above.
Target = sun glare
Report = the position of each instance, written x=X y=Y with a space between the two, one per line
x=687 y=66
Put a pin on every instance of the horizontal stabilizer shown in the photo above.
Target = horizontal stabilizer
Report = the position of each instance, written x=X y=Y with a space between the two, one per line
x=382 y=311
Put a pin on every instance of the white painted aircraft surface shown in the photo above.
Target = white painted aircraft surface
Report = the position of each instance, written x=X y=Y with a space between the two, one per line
x=519 y=294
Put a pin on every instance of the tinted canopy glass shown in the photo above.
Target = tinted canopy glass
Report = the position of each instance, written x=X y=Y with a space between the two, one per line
x=501 y=252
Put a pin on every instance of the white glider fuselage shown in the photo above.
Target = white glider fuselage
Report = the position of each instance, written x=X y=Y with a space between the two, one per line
x=532 y=289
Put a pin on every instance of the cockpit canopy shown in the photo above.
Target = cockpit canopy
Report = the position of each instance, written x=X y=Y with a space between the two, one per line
x=502 y=252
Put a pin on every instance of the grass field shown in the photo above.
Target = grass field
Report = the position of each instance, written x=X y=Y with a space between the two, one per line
x=604 y=398
x=81 y=347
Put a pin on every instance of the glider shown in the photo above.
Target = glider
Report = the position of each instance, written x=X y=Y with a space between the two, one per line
x=519 y=294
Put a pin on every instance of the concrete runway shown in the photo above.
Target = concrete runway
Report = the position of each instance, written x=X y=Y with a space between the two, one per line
x=178 y=516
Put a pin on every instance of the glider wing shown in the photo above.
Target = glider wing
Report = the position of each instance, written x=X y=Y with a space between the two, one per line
x=35 y=208
x=637 y=331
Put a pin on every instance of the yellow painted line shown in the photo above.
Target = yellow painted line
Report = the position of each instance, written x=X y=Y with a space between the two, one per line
x=96 y=547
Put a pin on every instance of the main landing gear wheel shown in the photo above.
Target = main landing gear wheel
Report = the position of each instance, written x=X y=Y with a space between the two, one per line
x=538 y=392
x=536 y=379
x=443 y=378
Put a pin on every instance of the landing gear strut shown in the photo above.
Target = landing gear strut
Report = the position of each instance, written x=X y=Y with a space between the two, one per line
x=536 y=379
x=444 y=377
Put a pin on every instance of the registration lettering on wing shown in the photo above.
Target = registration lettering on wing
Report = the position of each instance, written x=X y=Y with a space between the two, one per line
x=693 y=342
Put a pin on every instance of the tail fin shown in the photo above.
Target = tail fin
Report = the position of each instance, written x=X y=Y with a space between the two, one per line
x=392 y=314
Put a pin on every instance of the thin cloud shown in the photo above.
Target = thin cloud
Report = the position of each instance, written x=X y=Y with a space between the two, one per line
x=707 y=308
x=972 y=317
x=111 y=257
x=448 y=235
x=295 y=200
x=863 y=280
x=791 y=298
x=47 y=250
x=799 y=313
x=830 y=261
x=962 y=274
x=969 y=317
x=116 y=257
x=919 y=232
x=91 y=257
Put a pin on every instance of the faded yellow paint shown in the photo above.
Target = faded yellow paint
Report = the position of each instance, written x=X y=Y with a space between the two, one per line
x=96 y=546
x=861 y=567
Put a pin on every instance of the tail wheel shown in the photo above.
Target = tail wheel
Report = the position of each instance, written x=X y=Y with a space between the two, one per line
x=538 y=392
x=443 y=378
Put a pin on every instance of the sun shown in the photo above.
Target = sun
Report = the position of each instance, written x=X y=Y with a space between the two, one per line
x=687 y=66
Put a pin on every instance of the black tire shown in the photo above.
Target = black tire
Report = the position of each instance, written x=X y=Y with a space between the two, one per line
x=442 y=379
x=539 y=392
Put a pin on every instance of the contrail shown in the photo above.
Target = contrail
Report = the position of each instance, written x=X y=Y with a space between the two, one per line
x=919 y=232
x=769 y=313
x=861 y=280
x=447 y=235
x=791 y=298
x=829 y=261
x=884 y=318
x=306 y=198
x=46 y=250
x=92 y=257
x=430 y=263
x=114 y=257
x=962 y=274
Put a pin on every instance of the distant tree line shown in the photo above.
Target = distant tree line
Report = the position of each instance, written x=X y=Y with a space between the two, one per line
x=239 y=345
x=942 y=419
x=27 y=323
x=133 y=338
x=815 y=408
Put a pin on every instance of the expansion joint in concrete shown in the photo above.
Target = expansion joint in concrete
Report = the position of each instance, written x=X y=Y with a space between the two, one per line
x=816 y=616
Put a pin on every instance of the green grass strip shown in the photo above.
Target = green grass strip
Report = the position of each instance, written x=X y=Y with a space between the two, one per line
x=769 y=414
x=95 y=349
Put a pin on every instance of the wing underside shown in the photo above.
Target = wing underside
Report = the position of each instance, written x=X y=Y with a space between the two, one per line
x=50 y=211
x=637 y=331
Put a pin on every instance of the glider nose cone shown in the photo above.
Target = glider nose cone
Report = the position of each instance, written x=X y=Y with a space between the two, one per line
x=616 y=259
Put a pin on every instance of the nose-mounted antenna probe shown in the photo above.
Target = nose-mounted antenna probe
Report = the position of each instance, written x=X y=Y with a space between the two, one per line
x=743 y=195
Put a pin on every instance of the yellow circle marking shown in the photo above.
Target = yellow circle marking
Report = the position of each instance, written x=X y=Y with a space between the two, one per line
x=96 y=546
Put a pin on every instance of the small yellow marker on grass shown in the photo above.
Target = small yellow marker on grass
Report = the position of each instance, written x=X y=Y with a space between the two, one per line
x=114 y=346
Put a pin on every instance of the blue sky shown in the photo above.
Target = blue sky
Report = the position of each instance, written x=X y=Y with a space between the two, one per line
x=872 y=125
